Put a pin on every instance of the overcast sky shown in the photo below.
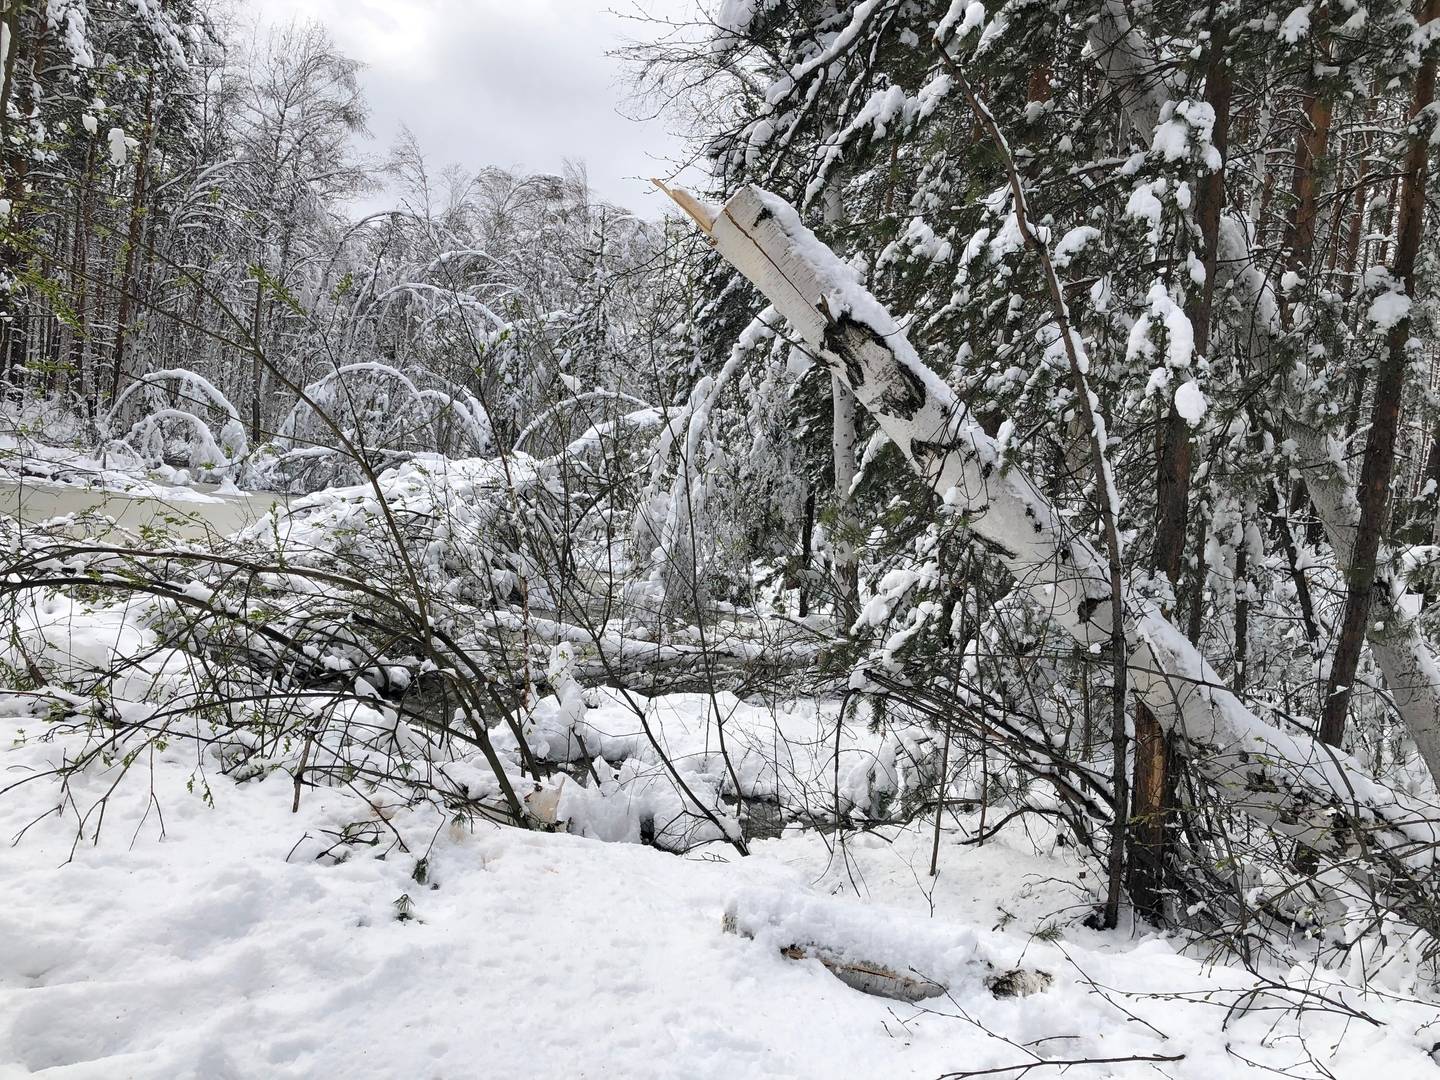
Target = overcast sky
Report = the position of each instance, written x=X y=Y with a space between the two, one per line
x=521 y=84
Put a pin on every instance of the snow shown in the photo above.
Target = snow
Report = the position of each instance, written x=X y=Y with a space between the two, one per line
x=215 y=943
x=1388 y=310
x=1183 y=125
x=114 y=473
x=1296 y=24
x=1179 y=334
x=1172 y=140
x=452 y=511
x=1072 y=243
x=73 y=643
x=406 y=402
x=1144 y=206
x=1190 y=402
x=779 y=756
x=881 y=109
x=732 y=19
x=118 y=147
x=962 y=17
x=206 y=934
x=69 y=16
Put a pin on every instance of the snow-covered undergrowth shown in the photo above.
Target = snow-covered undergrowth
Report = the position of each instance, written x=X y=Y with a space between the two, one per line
x=770 y=765
x=175 y=427
x=264 y=782
x=184 y=434
x=376 y=406
x=26 y=461
x=183 y=416
x=512 y=547
x=125 y=676
x=459 y=522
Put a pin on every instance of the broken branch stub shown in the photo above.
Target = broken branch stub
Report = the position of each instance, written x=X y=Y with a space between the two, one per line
x=844 y=940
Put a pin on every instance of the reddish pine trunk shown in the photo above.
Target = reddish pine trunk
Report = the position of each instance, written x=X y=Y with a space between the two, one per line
x=1311 y=147
x=1152 y=796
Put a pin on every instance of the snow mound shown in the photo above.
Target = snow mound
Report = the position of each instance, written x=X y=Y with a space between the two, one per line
x=857 y=934
x=459 y=521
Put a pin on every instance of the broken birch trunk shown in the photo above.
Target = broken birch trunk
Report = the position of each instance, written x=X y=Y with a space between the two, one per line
x=872 y=951
x=1283 y=778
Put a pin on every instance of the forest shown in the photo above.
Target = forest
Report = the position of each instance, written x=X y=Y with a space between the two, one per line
x=950 y=590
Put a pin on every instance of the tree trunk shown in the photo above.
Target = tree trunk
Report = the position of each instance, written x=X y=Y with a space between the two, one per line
x=1280 y=519
x=1242 y=599
x=12 y=186
x=257 y=365
x=842 y=447
x=1426 y=514
x=1151 y=800
x=1310 y=147
x=79 y=351
x=807 y=536
x=843 y=438
x=1357 y=212
x=128 y=282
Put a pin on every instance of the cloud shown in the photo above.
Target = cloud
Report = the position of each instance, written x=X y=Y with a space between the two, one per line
x=521 y=84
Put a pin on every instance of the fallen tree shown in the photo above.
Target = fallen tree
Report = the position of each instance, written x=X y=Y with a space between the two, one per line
x=1283 y=778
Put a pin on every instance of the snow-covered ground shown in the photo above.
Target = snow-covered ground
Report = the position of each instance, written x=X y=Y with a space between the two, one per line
x=210 y=942
x=214 y=930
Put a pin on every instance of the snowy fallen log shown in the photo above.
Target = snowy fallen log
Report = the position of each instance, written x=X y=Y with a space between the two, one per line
x=1283 y=778
x=871 y=951
x=866 y=976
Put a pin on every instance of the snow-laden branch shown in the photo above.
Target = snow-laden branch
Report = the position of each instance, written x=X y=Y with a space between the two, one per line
x=1130 y=67
x=188 y=385
x=573 y=402
x=180 y=398
x=330 y=392
x=667 y=526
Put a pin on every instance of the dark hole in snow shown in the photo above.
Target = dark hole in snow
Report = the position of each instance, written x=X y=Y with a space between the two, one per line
x=1088 y=607
x=1019 y=982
